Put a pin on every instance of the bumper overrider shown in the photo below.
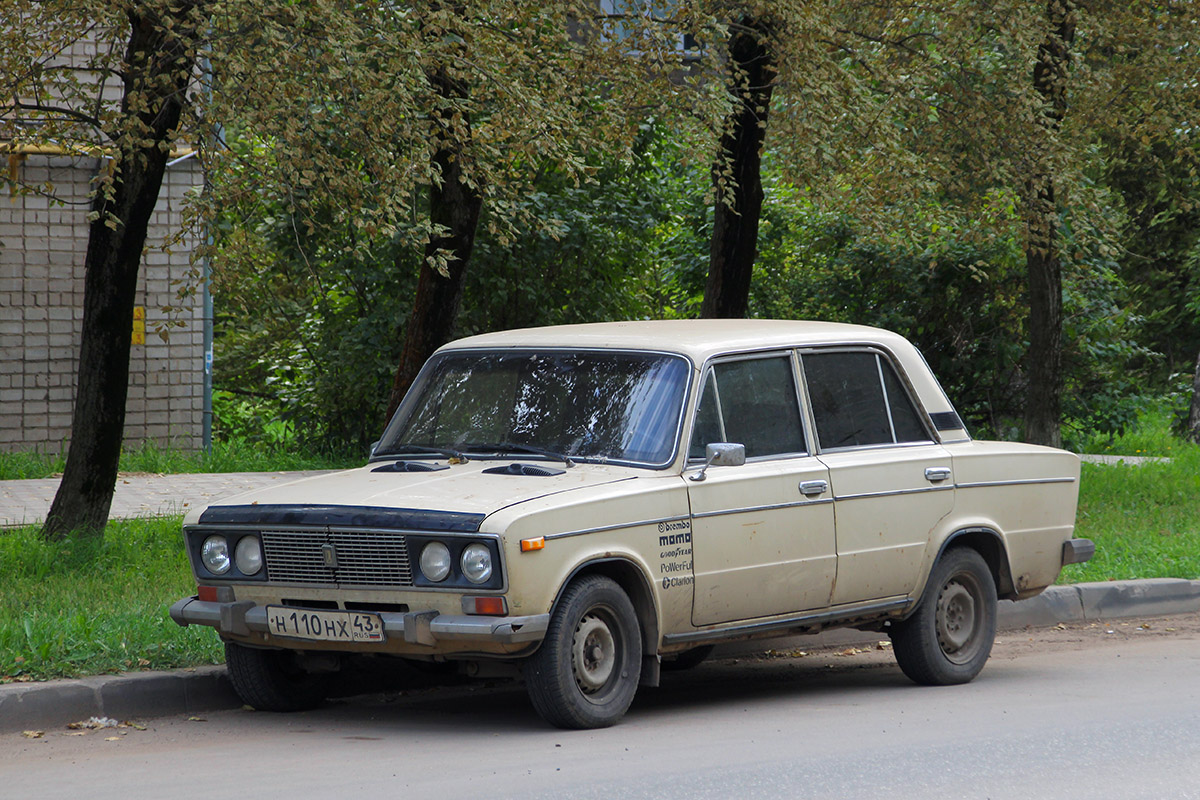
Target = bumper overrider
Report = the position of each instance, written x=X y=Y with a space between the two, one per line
x=241 y=618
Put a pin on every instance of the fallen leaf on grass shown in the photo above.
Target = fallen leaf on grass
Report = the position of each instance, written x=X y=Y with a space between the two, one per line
x=112 y=738
x=134 y=725
x=849 y=651
x=76 y=733
x=33 y=734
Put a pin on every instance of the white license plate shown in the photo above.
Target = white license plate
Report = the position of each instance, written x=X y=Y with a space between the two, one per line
x=324 y=626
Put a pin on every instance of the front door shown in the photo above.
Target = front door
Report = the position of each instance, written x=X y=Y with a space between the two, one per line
x=762 y=533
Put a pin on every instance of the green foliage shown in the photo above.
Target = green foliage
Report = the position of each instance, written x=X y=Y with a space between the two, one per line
x=605 y=250
x=309 y=330
x=958 y=300
x=85 y=606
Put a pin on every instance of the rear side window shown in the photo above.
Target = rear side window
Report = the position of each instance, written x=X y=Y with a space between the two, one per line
x=858 y=400
x=751 y=402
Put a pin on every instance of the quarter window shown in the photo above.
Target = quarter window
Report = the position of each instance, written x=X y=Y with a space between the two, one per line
x=751 y=402
x=858 y=400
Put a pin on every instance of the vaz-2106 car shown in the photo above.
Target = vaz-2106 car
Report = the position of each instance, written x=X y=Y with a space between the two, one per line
x=589 y=503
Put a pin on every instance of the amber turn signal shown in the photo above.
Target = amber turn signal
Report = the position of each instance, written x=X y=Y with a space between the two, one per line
x=486 y=606
x=529 y=545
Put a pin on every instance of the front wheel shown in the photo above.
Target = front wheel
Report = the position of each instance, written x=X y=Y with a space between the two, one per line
x=949 y=637
x=273 y=680
x=586 y=671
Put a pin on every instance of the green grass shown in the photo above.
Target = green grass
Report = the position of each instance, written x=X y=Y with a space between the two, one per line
x=228 y=456
x=1145 y=520
x=83 y=607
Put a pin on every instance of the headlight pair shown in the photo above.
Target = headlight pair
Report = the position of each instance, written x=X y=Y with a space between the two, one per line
x=475 y=562
x=247 y=555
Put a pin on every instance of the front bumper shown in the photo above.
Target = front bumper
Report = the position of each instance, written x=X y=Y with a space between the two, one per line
x=414 y=627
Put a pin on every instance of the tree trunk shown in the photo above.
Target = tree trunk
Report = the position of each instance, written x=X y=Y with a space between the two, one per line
x=159 y=67
x=1193 y=426
x=736 y=173
x=1044 y=360
x=454 y=206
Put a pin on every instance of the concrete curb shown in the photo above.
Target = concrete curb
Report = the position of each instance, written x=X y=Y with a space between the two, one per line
x=40 y=706
x=26 y=706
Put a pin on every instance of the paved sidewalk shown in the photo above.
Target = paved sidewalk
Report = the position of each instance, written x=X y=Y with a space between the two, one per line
x=139 y=494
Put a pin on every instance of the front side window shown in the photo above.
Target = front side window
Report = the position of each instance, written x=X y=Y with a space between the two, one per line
x=603 y=406
x=751 y=402
x=858 y=400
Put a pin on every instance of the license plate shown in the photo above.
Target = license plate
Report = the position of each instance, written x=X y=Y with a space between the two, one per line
x=324 y=626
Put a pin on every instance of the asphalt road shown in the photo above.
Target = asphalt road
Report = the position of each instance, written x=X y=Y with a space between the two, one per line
x=1092 y=710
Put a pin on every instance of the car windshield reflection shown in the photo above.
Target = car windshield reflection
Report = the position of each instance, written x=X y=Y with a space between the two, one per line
x=566 y=406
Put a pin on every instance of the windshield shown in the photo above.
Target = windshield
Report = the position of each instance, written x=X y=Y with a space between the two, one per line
x=597 y=405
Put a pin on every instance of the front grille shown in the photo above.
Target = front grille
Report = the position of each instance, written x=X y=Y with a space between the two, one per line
x=359 y=558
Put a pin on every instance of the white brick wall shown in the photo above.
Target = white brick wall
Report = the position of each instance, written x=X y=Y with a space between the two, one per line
x=42 y=248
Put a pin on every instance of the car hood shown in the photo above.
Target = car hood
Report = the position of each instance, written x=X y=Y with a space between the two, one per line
x=456 y=498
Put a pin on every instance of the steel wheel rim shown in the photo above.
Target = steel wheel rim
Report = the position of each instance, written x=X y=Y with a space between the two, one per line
x=959 y=619
x=593 y=653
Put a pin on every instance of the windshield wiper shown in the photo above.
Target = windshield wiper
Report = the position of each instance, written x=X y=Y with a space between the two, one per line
x=513 y=447
x=418 y=449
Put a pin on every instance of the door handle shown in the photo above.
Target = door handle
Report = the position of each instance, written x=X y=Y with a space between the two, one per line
x=813 y=488
x=937 y=474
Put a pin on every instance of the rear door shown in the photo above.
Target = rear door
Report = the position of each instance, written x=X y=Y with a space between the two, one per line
x=891 y=482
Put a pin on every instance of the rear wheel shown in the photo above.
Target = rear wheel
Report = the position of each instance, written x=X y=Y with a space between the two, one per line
x=272 y=680
x=949 y=637
x=587 y=670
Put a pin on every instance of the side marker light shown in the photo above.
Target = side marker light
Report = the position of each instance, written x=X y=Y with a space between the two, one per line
x=529 y=545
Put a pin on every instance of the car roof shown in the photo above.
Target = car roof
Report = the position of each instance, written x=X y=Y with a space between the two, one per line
x=699 y=339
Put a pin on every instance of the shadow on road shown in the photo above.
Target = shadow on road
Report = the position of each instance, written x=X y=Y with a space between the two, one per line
x=418 y=700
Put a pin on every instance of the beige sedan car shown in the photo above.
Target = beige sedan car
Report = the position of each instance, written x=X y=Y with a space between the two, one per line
x=588 y=504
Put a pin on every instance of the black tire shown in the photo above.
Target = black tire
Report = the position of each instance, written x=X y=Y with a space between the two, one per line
x=587 y=670
x=272 y=680
x=687 y=659
x=949 y=637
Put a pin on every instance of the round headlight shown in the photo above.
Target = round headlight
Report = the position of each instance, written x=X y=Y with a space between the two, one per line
x=214 y=554
x=248 y=555
x=477 y=563
x=435 y=561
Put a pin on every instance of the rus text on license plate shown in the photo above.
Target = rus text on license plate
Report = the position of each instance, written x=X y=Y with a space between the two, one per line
x=325 y=626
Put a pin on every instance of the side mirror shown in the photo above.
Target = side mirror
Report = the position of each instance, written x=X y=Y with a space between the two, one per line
x=721 y=454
